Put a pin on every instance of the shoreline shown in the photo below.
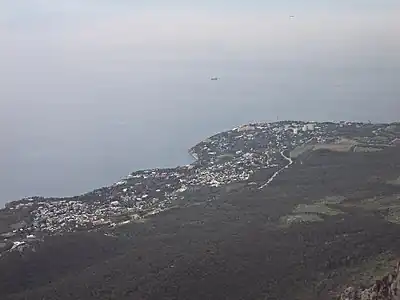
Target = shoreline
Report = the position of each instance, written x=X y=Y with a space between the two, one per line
x=195 y=157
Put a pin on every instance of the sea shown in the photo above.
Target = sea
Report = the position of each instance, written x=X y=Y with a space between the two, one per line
x=64 y=139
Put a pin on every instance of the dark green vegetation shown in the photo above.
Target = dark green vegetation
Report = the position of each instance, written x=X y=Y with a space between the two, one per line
x=233 y=247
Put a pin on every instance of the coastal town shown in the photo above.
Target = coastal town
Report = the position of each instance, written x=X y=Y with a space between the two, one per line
x=230 y=157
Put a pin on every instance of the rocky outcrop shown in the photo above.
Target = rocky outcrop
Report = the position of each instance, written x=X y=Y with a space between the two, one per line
x=388 y=288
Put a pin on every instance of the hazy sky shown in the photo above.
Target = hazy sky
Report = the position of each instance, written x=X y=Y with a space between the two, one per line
x=76 y=31
x=92 y=89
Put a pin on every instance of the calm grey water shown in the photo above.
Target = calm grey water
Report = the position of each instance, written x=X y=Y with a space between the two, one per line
x=80 y=109
x=63 y=142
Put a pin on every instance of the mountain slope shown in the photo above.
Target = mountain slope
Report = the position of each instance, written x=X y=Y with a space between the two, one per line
x=238 y=247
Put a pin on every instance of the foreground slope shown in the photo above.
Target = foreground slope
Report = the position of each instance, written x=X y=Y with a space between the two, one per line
x=238 y=247
x=327 y=218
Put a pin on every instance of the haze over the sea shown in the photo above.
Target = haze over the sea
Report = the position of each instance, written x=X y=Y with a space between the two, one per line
x=92 y=90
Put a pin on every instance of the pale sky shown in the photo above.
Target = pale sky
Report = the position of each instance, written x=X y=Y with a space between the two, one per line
x=77 y=30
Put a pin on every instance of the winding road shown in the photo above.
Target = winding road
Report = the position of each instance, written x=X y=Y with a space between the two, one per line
x=290 y=162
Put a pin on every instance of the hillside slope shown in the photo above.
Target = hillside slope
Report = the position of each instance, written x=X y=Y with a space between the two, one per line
x=239 y=246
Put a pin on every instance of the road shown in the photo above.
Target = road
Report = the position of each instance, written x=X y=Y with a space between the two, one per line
x=290 y=162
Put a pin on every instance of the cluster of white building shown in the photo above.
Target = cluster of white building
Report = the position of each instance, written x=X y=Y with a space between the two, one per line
x=225 y=158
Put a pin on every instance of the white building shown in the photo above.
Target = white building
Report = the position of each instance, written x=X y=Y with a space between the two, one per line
x=311 y=126
x=308 y=127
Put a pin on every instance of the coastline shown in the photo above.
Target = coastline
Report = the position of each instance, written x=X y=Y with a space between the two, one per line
x=241 y=130
x=193 y=155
